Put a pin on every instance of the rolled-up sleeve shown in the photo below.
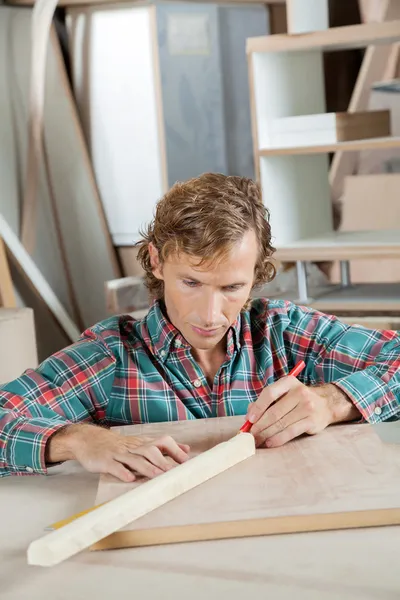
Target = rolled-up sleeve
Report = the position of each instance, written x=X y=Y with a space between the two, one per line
x=71 y=386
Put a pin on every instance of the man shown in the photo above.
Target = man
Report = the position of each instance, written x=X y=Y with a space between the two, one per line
x=203 y=350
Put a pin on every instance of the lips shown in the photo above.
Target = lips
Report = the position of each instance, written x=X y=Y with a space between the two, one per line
x=205 y=332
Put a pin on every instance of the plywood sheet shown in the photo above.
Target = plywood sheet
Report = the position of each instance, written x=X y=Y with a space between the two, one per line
x=345 y=468
x=88 y=246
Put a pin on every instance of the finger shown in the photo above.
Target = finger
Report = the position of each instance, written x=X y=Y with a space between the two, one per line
x=156 y=457
x=118 y=470
x=169 y=446
x=297 y=414
x=276 y=412
x=139 y=464
x=291 y=432
x=184 y=447
x=269 y=395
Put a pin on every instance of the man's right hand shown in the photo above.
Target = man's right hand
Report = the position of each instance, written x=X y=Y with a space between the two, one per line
x=100 y=450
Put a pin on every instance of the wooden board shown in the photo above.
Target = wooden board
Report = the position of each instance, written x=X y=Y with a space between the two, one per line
x=336 y=38
x=343 y=245
x=345 y=468
x=7 y=296
x=88 y=247
x=112 y=3
x=351 y=146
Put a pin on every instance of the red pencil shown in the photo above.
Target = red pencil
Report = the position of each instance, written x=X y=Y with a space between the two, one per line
x=294 y=372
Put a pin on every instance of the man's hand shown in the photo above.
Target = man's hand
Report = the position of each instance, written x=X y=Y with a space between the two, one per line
x=102 y=451
x=287 y=409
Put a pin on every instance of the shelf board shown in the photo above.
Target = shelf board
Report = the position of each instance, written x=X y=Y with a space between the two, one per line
x=343 y=245
x=361 y=299
x=71 y=3
x=353 y=145
x=335 y=38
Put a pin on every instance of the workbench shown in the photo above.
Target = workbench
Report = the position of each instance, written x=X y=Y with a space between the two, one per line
x=358 y=564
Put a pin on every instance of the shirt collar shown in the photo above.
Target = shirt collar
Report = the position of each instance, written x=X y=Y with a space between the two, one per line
x=165 y=337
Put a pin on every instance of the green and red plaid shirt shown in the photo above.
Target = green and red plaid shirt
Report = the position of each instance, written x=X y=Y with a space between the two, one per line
x=124 y=371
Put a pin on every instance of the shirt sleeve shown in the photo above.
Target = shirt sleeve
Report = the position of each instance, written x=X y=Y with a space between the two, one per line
x=72 y=385
x=363 y=363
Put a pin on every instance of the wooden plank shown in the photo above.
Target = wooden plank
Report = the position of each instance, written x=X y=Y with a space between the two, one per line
x=88 y=247
x=279 y=490
x=7 y=296
x=337 y=38
x=37 y=280
x=126 y=295
x=343 y=245
x=42 y=16
x=95 y=525
x=111 y=3
x=250 y=528
x=351 y=146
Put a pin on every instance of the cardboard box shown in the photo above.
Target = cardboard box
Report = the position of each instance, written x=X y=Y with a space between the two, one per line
x=18 y=350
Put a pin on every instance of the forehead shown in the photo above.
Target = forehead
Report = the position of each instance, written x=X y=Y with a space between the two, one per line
x=238 y=263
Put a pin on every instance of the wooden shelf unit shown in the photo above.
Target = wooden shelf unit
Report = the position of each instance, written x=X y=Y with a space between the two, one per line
x=286 y=78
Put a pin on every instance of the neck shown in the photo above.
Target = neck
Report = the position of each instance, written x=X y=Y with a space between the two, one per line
x=211 y=360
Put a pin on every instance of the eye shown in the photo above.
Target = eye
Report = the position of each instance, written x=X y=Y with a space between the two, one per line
x=232 y=288
x=191 y=284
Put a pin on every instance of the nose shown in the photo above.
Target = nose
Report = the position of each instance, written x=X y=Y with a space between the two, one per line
x=209 y=309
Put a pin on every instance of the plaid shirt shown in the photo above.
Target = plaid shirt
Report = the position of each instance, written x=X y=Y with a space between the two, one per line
x=124 y=371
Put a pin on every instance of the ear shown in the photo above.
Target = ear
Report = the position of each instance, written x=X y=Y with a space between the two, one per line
x=155 y=261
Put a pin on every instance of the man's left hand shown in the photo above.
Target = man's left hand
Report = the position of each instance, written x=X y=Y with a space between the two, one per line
x=287 y=409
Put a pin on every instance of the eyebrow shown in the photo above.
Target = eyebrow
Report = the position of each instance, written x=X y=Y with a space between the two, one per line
x=187 y=276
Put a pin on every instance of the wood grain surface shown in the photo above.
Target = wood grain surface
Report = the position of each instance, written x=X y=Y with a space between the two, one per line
x=344 y=469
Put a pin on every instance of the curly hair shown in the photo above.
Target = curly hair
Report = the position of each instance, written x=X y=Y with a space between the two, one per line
x=204 y=217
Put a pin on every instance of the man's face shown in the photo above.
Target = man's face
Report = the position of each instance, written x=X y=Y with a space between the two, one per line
x=203 y=302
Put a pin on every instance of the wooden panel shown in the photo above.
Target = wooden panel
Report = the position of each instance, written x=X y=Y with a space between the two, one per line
x=292 y=480
x=69 y=3
x=369 y=144
x=88 y=247
x=337 y=38
x=7 y=296
x=343 y=245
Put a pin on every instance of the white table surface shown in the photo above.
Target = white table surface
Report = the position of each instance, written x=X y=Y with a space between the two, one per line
x=358 y=564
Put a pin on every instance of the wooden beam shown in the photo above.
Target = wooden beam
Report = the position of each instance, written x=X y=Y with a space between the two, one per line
x=336 y=38
x=32 y=273
x=70 y=3
x=7 y=296
x=251 y=528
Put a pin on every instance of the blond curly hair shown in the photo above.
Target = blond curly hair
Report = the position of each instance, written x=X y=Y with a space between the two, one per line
x=204 y=217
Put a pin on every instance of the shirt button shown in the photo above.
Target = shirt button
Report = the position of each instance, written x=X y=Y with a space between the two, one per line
x=178 y=343
x=378 y=410
x=162 y=352
x=29 y=469
x=197 y=383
